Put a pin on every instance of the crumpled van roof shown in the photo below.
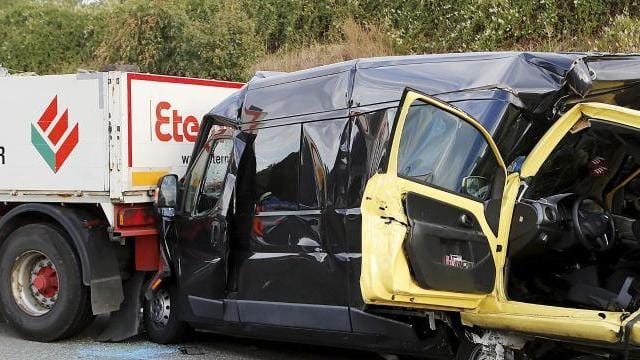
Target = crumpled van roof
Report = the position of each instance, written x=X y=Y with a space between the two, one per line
x=533 y=82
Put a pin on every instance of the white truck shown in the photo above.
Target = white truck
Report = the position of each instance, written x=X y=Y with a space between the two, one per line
x=80 y=156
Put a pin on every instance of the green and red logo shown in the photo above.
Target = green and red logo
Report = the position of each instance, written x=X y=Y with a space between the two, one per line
x=52 y=137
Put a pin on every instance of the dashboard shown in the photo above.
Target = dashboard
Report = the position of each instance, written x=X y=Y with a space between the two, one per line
x=541 y=225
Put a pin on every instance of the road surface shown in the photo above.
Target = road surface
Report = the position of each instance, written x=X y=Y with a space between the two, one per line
x=204 y=346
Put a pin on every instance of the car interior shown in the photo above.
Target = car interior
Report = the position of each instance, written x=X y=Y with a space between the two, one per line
x=575 y=235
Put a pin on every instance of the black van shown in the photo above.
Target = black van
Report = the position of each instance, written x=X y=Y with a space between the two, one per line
x=263 y=233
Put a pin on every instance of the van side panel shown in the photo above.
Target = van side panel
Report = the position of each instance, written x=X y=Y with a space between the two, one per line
x=292 y=253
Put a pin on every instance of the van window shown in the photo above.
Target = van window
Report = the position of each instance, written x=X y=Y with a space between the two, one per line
x=214 y=177
x=277 y=152
x=195 y=178
x=204 y=183
x=440 y=149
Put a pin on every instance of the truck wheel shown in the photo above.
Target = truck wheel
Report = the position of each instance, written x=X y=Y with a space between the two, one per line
x=161 y=317
x=41 y=290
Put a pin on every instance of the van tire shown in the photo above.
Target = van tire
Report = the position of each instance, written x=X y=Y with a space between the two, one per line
x=37 y=317
x=161 y=317
x=469 y=351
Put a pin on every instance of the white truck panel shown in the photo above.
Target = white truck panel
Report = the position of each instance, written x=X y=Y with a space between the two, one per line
x=34 y=149
x=163 y=120
x=98 y=137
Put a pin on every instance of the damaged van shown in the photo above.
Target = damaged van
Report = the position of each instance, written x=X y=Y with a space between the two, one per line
x=469 y=206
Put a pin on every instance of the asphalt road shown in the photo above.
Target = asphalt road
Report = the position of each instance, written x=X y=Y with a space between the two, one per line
x=203 y=346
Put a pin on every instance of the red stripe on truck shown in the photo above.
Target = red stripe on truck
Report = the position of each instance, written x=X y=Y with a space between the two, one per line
x=171 y=80
x=67 y=147
x=49 y=115
x=59 y=128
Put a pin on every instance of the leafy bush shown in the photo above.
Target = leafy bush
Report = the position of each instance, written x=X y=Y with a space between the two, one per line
x=148 y=34
x=47 y=38
x=464 y=25
x=195 y=38
x=623 y=35
x=223 y=45
x=282 y=23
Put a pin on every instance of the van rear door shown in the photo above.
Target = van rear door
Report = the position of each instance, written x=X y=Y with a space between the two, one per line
x=426 y=241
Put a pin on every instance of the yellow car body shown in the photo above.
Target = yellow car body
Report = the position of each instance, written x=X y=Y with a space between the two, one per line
x=387 y=279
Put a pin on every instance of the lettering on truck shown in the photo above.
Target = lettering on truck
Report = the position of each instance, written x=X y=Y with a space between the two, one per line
x=170 y=125
x=217 y=159
x=2 y=161
x=220 y=159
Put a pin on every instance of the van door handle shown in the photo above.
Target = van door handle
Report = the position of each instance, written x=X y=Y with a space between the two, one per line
x=215 y=233
x=466 y=220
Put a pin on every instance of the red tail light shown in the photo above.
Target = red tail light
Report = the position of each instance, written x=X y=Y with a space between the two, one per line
x=136 y=216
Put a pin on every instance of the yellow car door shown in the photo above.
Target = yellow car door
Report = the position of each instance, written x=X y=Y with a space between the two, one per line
x=426 y=238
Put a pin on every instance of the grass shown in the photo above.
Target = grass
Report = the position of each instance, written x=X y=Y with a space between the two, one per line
x=357 y=42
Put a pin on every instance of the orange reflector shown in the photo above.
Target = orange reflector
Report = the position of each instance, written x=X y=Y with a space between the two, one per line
x=136 y=216
x=156 y=284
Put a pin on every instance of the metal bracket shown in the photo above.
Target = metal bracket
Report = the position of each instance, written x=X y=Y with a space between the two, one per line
x=497 y=345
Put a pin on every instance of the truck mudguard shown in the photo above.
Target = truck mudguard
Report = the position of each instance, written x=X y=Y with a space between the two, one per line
x=100 y=270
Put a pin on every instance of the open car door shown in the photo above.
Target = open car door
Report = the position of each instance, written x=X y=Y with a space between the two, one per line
x=201 y=229
x=426 y=241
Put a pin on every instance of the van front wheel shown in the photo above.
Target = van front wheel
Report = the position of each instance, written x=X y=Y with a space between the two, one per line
x=470 y=351
x=161 y=317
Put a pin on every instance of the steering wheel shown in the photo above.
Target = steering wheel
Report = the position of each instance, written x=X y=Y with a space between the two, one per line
x=595 y=230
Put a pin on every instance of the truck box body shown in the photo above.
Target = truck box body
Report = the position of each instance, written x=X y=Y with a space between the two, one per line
x=101 y=138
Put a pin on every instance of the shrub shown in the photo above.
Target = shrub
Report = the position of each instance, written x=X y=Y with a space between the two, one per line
x=224 y=45
x=224 y=39
x=282 y=23
x=144 y=33
x=623 y=35
x=48 y=37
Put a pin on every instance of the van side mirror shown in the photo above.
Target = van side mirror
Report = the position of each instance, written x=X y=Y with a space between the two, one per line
x=476 y=186
x=166 y=194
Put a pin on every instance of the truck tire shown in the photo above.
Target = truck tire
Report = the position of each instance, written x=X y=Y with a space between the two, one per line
x=161 y=317
x=41 y=291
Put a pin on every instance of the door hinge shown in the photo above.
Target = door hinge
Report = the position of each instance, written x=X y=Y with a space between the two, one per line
x=523 y=189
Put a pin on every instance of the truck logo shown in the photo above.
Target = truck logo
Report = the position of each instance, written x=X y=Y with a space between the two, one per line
x=51 y=137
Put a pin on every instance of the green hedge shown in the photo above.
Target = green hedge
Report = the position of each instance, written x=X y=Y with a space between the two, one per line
x=48 y=38
x=222 y=39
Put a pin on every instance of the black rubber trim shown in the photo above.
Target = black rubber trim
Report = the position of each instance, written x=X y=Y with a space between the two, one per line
x=310 y=316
